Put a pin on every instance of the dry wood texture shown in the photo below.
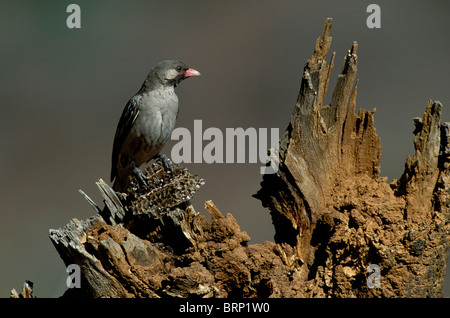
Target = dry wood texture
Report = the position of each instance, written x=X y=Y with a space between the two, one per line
x=333 y=215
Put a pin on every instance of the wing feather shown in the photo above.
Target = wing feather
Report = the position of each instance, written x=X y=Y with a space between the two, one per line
x=129 y=115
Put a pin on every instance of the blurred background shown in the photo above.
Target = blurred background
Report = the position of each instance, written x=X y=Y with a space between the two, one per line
x=63 y=90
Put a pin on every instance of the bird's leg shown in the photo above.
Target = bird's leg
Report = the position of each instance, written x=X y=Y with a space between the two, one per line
x=167 y=164
x=139 y=175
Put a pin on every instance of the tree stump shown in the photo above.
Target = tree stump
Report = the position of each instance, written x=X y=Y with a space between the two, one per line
x=335 y=219
x=329 y=203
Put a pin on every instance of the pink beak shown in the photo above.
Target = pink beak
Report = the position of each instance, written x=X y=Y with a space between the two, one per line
x=191 y=72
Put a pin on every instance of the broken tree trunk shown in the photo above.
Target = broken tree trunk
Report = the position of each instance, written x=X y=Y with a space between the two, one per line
x=334 y=217
x=330 y=204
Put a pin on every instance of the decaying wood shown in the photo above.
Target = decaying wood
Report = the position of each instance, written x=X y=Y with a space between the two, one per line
x=333 y=215
x=27 y=291
x=213 y=210
x=331 y=205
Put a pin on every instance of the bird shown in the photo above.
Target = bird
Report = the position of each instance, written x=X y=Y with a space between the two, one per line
x=147 y=122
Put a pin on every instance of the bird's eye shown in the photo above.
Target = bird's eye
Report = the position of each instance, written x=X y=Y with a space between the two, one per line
x=178 y=68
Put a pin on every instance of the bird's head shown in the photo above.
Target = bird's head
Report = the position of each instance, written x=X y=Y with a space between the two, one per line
x=171 y=73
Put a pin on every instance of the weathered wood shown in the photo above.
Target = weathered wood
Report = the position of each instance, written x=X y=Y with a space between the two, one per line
x=27 y=291
x=328 y=202
x=114 y=210
x=213 y=210
x=90 y=201
x=334 y=216
x=75 y=243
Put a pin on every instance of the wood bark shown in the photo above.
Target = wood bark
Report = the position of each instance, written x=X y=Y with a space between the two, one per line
x=333 y=215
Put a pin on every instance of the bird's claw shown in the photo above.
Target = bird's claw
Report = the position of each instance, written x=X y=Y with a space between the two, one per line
x=140 y=177
x=167 y=163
